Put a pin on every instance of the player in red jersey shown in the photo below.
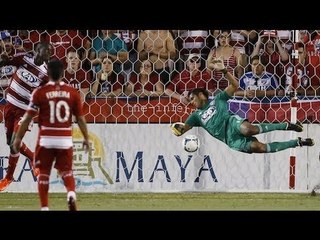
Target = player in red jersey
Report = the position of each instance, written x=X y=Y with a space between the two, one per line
x=56 y=103
x=31 y=73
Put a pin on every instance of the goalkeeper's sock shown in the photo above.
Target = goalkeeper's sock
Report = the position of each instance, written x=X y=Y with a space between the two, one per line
x=278 y=146
x=269 y=127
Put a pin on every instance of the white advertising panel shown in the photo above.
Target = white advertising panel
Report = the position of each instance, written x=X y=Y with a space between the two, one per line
x=149 y=158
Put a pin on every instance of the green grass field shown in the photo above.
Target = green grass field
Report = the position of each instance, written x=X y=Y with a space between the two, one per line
x=165 y=201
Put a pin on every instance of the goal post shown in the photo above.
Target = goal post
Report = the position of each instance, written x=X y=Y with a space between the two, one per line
x=293 y=108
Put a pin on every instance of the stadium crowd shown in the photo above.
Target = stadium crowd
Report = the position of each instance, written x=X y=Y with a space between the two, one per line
x=153 y=63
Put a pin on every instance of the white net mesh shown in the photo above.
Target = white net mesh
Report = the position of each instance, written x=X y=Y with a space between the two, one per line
x=137 y=81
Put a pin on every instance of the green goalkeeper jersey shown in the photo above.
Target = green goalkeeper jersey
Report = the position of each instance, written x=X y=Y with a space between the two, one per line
x=213 y=117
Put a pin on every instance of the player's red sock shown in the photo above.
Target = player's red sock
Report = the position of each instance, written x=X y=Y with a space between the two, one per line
x=13 y=159
x=68 y=180
x=43 y=189
x=27 y=152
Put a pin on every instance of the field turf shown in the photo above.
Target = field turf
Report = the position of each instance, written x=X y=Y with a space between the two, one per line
x=166 y=201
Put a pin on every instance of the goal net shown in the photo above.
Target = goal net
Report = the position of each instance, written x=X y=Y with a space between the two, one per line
x=135 y=83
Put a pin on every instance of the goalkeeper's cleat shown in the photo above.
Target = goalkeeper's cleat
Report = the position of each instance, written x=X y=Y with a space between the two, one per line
x=298 y=127
x=305 y=141
x=4 y=183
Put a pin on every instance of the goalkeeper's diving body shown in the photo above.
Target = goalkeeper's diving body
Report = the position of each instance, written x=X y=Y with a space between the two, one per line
x=238 y=133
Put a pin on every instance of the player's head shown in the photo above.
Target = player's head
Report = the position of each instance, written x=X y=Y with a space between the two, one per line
x=73 y=59
x=107 y=65
x=258 y=65
x=43 y=52
x=55 y=70
x=199 y=97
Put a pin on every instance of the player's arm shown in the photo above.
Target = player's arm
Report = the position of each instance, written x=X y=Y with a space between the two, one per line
x=179 y=128
x=233 y=83
x=83 y=127
x=27 y=118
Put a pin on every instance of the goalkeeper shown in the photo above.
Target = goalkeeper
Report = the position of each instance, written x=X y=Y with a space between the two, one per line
x=236 y=132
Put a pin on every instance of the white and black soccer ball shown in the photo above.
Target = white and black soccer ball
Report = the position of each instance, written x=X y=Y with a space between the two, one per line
x=190 y=143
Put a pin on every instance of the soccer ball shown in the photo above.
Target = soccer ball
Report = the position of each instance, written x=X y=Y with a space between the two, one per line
x=190 y=143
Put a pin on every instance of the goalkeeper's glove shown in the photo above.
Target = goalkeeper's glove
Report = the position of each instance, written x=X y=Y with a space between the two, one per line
x=177 y=128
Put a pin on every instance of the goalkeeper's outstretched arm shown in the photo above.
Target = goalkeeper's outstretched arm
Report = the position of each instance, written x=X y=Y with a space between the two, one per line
x=179 y=128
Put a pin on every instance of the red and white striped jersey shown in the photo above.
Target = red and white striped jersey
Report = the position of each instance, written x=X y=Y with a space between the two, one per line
x=27 y=77
x=55 y=103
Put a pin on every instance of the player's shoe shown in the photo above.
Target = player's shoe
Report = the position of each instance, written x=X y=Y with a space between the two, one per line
x=4 y=183
x=72 y=201
x=305 y=141
x=298 y=127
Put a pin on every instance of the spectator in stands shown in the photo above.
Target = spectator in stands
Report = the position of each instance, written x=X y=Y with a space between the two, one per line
x=6 y=72
x=108 y=44
x=239 y=40
x=107 y=83
x=63 y=40
x=28 y=39
x=242 y=40
x=230 y=55
x=304 y=36
x=258 y=83
x=190 y=78
x=215 y=34
x=285 y=39
x=270 y=49
x=306 y=82
x=313 y=51
x=6 y=45
x=130 y=38
x=145 y=83
x=158 y=46
x=76 y=76
x=191 y=41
